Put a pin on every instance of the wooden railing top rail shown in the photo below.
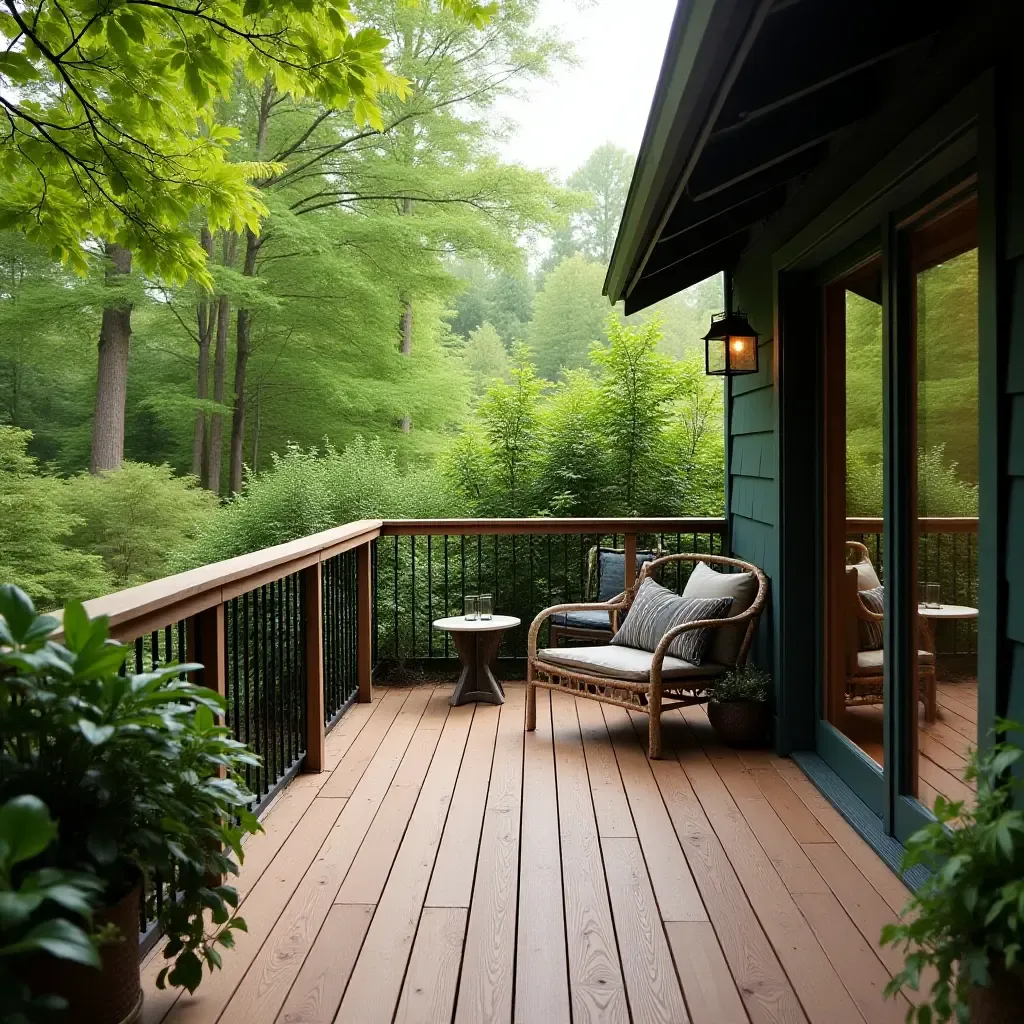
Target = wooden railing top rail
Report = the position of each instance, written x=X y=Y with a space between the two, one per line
x=153 y=605
x=541 y=525
x=926 y=524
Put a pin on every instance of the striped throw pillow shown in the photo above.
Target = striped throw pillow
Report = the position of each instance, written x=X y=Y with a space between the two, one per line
x=656 y=610
x=871 y=632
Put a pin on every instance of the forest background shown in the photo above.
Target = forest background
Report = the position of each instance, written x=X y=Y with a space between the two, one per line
x=410 y=327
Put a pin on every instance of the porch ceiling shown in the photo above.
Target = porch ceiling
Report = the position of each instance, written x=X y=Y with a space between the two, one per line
x=753 y=95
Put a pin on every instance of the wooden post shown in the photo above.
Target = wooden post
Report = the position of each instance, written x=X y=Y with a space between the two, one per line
x=364 y=624
x=207 y=644
x=312 y=595
x=630 y=559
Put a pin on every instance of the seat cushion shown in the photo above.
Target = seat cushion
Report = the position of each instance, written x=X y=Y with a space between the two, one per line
x=741 y=587
x=869 y=663
x=618 y=662
x=656 y=610
x=583 y=620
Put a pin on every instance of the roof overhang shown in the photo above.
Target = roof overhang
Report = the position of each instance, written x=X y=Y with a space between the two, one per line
x=752 y=96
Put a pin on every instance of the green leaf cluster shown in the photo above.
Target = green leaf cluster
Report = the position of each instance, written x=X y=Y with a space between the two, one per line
x=747 y=683
x=136 y=769
x=43 y=910
x=966 y=921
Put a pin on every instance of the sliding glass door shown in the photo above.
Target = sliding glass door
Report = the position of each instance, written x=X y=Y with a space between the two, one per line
x=899 y=483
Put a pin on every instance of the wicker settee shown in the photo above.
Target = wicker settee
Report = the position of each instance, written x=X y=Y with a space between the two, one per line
x=653 y=682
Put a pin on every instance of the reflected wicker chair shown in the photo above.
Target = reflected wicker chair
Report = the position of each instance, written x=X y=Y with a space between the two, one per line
x=865 y=668
x=640 y=680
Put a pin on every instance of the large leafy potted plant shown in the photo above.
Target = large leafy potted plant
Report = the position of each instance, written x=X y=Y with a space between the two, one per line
x=143 y=783
x=740 y=708
x=966 y=921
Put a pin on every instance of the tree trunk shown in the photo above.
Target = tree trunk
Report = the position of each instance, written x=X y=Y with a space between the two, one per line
x=244 y=325
x=215 y=447
x=406 y=325
x=112 y=370
x=243 y=347
x=204 y=318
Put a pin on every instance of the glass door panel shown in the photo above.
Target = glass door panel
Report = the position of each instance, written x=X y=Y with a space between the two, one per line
x=942 y=698
x=852 y=730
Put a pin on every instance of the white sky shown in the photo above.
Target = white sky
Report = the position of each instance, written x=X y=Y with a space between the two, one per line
x=605 y=98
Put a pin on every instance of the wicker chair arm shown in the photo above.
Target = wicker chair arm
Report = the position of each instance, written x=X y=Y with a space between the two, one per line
x=863 y=612
x=666 y=641
x=615 y=604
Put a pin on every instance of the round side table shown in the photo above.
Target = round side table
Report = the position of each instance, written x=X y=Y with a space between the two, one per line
x=477 y=642
x=944 y=613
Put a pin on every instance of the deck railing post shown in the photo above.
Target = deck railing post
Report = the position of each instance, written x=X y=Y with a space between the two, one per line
x=364 y=625
x=207 y=644
x=630 y=558
x=313 y=604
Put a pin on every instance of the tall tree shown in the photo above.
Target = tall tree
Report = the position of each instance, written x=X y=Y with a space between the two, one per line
x=605 y=177
x=568 y=316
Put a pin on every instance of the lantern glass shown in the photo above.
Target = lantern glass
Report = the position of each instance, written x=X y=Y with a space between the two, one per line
x=730 y=346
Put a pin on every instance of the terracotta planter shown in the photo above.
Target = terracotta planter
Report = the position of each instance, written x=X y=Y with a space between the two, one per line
x=1000 y=1002
x=111 y=995
x=740 y=723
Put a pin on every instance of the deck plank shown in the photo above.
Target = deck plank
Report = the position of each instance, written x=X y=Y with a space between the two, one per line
x=676 y=891
x=451 y=884
x=428 y=994
x=821 y=993
x=488 y=967
x=654 y=992
x=708 y=987
x=614 y=818
x=766 y=991
x=317 y=991
x=265 y=986
x=597 y=988
x=376 y=984
x=542 y=984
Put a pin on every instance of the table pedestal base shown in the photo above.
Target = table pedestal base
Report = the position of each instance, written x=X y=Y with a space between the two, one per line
x=477 y=651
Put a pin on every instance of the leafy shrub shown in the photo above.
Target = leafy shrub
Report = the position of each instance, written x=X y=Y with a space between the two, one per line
x=135 y=517
x=129 y=766
x=36 y=525
x=308 y=490
x=746 y=683
x=966 y=919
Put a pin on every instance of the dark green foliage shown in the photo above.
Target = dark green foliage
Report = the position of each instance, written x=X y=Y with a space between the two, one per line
x=128 y=765
x=748 y=683
x=968 y=916
x=43 y=910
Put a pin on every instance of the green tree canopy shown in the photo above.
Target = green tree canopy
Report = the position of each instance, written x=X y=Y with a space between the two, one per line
x=568 y=316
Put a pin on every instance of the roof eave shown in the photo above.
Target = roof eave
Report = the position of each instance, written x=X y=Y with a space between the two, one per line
x=707 y=41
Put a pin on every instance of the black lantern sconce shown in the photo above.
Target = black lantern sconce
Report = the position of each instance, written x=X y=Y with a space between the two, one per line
x=730 y=346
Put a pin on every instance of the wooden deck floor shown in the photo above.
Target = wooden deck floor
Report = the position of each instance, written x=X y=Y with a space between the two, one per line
x=450 y=868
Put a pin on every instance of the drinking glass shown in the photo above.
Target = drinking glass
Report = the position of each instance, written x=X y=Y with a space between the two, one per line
x=928 y=595
x=486 y=606
x=472 y=607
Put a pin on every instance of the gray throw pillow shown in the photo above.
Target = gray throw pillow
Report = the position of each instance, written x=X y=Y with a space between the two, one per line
x=656 y=610
x=870 y=631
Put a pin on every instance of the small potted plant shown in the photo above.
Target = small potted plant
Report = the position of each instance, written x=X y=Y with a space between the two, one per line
x=966 y=921
x=143 y=784
x=740 y=706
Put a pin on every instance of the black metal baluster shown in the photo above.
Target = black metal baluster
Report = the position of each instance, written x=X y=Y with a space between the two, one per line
x=462 y=599
x=281 y=689
x=479 y=562
x=447 y=605
x=412 y=550
x=396 y=596
x=376 y=612
x=533 y=607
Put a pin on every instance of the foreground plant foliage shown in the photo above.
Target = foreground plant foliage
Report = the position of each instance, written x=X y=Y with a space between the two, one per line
x=135 y=769
x=967 y=920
